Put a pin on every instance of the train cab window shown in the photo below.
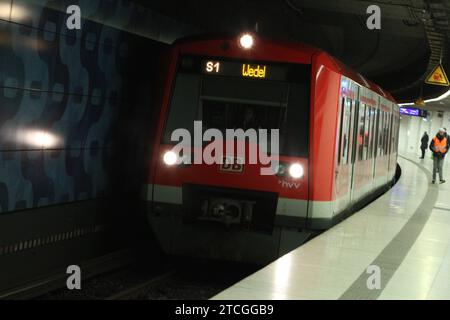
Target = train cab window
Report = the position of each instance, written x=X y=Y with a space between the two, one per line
x=229 y=101
x=224 y=115
x=183 y=108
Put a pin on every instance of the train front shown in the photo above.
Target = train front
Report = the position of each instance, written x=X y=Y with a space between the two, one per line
x=229 y=178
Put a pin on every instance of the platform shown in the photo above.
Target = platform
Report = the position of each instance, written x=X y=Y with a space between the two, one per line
x=405 y=232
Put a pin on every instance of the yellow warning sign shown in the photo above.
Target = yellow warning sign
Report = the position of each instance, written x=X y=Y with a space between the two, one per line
x=438 y=77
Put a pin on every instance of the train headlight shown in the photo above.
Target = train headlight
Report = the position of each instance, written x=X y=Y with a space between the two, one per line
x=296 y=170
x=246 y=41
x=170 y=158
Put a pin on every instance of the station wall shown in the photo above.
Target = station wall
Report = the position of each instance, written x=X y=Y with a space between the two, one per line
x=65 y=94
x=75 y=118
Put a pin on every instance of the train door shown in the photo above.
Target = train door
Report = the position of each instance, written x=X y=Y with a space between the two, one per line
x=376 y=115
x=372 y=135
x=346 y=146
x=381 y=164
x=342 y=173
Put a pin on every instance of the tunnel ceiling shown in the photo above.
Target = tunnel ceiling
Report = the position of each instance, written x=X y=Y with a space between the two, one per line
x=410 y=43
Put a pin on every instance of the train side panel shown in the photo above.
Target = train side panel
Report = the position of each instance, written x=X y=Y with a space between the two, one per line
x=360 y=161
x=324 y=112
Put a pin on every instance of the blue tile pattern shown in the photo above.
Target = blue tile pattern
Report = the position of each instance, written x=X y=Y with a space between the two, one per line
x=62 y=93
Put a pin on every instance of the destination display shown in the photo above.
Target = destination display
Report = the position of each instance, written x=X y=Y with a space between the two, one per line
x=259 y=71
x=242 y=69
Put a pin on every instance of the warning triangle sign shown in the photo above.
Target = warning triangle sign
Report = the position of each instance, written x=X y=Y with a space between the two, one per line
x=438 y=77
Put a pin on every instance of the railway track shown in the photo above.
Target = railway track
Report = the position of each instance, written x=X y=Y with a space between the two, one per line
x=118 y=277
x=187 y=280
x=134 y=291
x=57 y=280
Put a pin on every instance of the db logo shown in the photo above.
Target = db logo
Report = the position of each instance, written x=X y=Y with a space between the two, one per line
x=230 y=164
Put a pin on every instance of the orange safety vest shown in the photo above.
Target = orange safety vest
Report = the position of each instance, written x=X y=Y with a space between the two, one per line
x=440 y=146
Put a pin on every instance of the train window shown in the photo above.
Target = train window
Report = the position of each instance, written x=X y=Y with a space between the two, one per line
x=295 y=133
x=397 y=126
x=183 y=107
x=391 y=133
x=345 y=131
x=267 y=105
x=232 y=115
x=386 y=133
x=341 y=130
x=360 y=132
x=244 y=89
x=225 y=113
x=372 y=134
x=380 y=133
x=394 y=140
x=366 y=133
x=397 y=135
x=398 y=132
x=375 y=133
x=394 y=133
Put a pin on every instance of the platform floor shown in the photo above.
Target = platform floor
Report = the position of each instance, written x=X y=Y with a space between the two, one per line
x=405 y=232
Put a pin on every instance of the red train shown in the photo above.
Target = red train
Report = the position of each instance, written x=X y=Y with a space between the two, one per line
x=337 y=150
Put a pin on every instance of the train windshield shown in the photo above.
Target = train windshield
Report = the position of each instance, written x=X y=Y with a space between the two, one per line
x=230 y=102
x=224 y=115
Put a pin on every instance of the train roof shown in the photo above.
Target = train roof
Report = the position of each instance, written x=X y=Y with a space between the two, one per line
x=291 y=48
x=350 y=73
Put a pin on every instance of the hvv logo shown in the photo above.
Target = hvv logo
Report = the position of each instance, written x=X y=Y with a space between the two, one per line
x=289 y=184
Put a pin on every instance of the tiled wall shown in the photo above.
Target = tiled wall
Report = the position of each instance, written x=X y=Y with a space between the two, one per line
x=412 y=129
x=64 y=93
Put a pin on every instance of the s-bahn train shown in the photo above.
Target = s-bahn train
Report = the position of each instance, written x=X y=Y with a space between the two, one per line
x=338 y=136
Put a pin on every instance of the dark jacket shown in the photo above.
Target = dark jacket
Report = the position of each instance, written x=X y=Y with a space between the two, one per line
x=424 y=141
x=438 y=154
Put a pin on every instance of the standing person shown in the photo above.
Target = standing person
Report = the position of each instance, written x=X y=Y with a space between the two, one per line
x=439 y=147
x=424 y=144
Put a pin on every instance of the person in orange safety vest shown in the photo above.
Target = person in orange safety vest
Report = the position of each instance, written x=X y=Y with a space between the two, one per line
x=439 y=146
